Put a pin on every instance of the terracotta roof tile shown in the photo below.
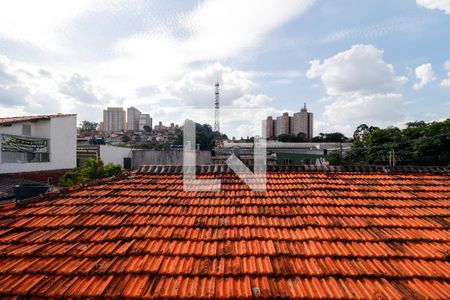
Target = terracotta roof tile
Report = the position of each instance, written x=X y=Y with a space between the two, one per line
x=12 y=120
x=318 y=234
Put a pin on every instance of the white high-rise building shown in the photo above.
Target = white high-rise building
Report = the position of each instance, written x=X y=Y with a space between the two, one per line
x=114 y=119
x=145 y=120
x=133 y=117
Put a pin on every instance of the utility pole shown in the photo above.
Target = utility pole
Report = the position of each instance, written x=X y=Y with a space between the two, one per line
x=392 y=158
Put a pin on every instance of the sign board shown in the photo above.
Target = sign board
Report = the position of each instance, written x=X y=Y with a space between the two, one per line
x=12 y=143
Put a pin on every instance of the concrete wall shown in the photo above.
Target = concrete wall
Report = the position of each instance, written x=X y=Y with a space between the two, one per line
x=115 y=155
x=275 y=144
x=297 y=159
x=38 y=129
x=62 y=133
x=168 y=157
x=139 y=157
x=63 y=142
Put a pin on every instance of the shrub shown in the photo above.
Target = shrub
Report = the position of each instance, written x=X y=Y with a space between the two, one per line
x=91 y=170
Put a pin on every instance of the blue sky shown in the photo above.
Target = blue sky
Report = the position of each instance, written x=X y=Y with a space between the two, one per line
x=377 y=62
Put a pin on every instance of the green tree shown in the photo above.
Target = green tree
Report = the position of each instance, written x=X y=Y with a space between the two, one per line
x=204 y=136
x=292 y=138
x=87 y=126
x=420 y=143
x=91 y=170
x=125 y=139
x=333 y=137
x=360 y=131
x=334 y=157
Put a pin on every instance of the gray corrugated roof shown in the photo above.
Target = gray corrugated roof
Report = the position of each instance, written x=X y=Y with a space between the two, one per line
x=221 y=168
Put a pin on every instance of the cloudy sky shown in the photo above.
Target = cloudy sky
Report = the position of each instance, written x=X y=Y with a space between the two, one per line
x=376 y=62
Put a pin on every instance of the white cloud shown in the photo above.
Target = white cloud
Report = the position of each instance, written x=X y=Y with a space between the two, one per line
x=359 y=70
x=223 y=28
x=81 y=89
x=443 y=5
x=361 y=87
x=82 y=58
x=393 y=25
x=425 y=75
x=374 y=107
x=250 y=100
x=216 y=30
x=28 y=89
x=12 y=91
x=242 y=105
x=327 y=127
x=446 y=82
x=41 y=23
x=196 y=88
x=447 y=65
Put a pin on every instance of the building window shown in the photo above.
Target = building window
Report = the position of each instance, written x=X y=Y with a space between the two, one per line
x=21 y=149
x=26 y=130
x=287 y=162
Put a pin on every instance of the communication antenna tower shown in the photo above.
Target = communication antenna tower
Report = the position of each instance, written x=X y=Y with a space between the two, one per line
x=216 y=106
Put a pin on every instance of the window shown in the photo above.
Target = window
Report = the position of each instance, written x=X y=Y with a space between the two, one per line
x=26 y=130
x=23 y=149
x=287 y=162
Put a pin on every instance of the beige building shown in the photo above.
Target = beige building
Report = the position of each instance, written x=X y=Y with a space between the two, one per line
x=114 y=119
x=282 y=124
x=270 y=126
x=306 y=122
x=133 y=117
x=300 y=122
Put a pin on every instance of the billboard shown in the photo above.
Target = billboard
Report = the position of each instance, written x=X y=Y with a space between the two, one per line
x=12 y=143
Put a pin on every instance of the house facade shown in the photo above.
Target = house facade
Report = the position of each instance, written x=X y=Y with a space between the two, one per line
x=38 y=143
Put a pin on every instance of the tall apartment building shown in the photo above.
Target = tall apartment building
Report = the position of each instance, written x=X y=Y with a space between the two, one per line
x=133 y=118
x=114 y=119
x=145 y=120
x=282 y=124
x=306 y=122
x=270 y=126
x=300 y=122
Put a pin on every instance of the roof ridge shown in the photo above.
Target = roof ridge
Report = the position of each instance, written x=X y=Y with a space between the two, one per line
x=18 y=119
x=223 y=168
x=65 y=191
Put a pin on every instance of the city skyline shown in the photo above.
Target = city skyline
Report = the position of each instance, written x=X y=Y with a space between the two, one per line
x=117 y=119
x=225 y=149
x=372 y=62
x=300 y=123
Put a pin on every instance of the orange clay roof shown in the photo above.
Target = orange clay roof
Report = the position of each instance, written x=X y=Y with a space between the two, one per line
x=312 y=234
x=12 y=120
